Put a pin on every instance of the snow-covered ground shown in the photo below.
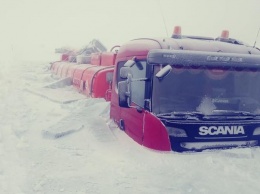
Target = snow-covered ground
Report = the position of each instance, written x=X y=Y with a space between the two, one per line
x=48 y=147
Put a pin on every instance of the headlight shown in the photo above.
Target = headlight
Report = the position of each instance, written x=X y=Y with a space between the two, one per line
x=257 y=131
x=176 y=132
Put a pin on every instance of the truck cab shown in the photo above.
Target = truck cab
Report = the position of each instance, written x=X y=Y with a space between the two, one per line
x=188 y=93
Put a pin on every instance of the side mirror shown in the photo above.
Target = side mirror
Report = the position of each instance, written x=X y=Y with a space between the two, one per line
x=124 y=71
x=129 y=63
x=109 y=77
x=125 y=92
x=164 y=72
x=132 y=62
x=122 y=94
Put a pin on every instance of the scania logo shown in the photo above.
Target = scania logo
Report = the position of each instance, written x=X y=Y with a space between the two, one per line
x=221 y=130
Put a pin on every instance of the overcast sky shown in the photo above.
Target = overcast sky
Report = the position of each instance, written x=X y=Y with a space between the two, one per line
x=46 y=24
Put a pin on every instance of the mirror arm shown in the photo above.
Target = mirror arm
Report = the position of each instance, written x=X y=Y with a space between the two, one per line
x=140 y=79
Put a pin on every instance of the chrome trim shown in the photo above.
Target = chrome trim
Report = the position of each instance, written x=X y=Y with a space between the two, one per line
x=221 y=137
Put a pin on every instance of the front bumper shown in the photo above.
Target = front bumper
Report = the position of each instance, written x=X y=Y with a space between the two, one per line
x=186 y=146
x=191 y=136
x=199 y=146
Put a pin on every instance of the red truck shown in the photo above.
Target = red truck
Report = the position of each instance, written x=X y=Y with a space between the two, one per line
x=183 y=93
x=93 y=79
x=187 y=93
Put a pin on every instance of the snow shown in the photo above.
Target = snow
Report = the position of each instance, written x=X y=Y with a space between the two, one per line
x=206 y=106
x=50 y=147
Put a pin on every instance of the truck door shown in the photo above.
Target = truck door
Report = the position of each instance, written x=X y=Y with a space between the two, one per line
x=132 y=118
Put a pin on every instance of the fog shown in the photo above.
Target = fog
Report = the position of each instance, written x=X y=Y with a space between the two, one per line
x=98 y=157
x=36 y=27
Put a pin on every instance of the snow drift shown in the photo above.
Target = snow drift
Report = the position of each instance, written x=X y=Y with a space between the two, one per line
x=50 y=147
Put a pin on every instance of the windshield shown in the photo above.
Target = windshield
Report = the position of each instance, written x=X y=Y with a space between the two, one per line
x=206 y=91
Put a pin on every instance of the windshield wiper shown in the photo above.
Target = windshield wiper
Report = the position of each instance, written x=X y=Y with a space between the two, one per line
x=182 y=115
x=232 y=113
x=216 y=114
